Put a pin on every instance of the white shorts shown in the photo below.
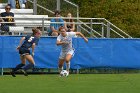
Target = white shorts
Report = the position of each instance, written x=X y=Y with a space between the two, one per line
x=63 y=54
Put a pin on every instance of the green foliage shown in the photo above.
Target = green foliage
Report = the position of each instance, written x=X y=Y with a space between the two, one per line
x=4 y=1
x=123 y=13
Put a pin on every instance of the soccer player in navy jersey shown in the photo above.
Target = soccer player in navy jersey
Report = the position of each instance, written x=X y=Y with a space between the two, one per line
x=67 y=51
x=30 y=41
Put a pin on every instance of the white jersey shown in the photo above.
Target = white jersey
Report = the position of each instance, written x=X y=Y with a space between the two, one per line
x=67 y=38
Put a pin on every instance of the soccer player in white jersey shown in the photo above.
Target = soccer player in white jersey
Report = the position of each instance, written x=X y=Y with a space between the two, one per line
x=65 y=40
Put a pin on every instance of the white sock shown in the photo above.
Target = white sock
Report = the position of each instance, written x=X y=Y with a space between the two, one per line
x=68 y=66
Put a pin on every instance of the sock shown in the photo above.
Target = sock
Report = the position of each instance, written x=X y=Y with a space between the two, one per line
x=68 y=66
x=29 y=66
x=60 y=69
x=18 y=67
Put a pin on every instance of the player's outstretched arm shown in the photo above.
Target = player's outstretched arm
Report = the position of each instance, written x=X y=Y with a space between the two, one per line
x=80 y=34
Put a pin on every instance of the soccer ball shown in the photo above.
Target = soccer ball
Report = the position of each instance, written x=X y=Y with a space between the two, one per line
x=64 y=73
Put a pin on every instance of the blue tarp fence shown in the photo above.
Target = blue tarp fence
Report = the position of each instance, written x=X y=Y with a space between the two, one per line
x=118 y=53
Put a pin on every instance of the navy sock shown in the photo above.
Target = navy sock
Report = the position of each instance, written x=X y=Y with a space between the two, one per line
x=18 y=67
x=29 y=66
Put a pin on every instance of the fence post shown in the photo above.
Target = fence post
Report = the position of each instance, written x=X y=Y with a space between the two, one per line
x=1 y=71
x=1 y=59
x=35 y=7
x=102 y=30
x=91 y=28
x=78 y=25
x=43 y=26
x=77 y=71
x=108 y=30
x=58 y=5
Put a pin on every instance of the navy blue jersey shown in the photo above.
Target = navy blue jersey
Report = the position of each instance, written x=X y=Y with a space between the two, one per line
x=29 y=40
x=8 y=18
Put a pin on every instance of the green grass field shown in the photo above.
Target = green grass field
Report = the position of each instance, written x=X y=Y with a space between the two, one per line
x=75 y=83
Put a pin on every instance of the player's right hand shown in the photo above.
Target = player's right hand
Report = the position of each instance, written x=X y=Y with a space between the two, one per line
x=18 y=47
x=65 y=42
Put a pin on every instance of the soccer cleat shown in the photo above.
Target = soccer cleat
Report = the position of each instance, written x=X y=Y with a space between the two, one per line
x=24 y=72
x=13 y=74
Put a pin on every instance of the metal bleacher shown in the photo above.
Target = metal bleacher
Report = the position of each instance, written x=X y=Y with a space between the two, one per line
x=30 y=21
x=25 y=20
x=2 y=5
x=20 y=11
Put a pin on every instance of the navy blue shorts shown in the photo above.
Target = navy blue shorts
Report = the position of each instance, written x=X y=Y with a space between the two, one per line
x=24 y=51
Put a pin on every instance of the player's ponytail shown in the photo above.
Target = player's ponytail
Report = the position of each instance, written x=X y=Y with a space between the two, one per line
x=34 y=30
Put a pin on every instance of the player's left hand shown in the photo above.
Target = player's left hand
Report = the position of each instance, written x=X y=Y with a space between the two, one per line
x=86 y=40
x=33 y=53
